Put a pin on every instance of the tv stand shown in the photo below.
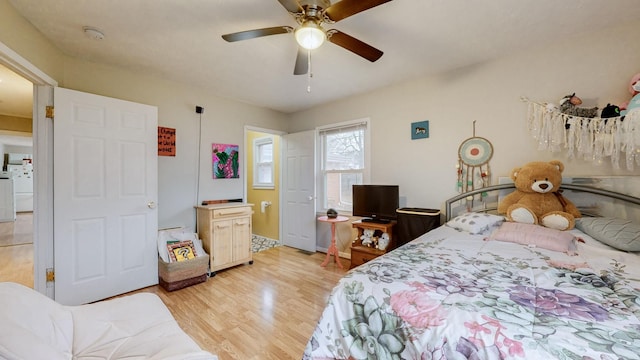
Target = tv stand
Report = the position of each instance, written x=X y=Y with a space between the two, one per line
x=360 y=254
x=376 y=221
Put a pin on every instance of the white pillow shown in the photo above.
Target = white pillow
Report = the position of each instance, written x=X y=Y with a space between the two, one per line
x=475 y=223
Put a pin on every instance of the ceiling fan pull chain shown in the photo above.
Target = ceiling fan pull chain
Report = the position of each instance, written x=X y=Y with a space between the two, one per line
x=310 y=71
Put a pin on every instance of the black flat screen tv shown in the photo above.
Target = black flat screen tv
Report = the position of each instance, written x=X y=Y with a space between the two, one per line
x=376 y=203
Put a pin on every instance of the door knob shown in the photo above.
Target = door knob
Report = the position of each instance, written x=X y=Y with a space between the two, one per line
x=310 y=198
x=151 y=205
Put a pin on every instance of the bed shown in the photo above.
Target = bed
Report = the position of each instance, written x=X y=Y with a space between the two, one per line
x=462 y=291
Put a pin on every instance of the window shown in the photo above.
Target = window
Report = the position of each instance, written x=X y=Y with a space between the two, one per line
x=263 y=163
x=343 y=163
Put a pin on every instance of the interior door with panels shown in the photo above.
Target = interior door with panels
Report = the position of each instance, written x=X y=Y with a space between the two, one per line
x=105 y=189
x=299 y=192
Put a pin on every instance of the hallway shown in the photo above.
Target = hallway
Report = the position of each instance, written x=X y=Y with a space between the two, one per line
x=16 y=250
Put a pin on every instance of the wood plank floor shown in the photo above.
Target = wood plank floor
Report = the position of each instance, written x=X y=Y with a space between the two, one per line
x=17 y=232
x=267 y=310
x=16 y=250
x=16 y=264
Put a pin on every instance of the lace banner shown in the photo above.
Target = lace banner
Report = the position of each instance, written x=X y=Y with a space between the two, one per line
x=591 y=139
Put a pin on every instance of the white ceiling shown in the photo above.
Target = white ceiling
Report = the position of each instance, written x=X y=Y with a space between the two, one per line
x=181 y=40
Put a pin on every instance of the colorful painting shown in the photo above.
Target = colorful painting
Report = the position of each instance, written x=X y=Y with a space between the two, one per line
x=226 y=162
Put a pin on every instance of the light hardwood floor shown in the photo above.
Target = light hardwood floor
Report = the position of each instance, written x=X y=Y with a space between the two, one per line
x=16 y=250
x=267 y=310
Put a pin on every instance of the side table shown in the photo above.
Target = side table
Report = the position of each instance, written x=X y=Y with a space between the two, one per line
x=333 y=249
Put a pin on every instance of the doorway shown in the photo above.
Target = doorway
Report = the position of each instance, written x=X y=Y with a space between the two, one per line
x=16 y=154
x=262 y=185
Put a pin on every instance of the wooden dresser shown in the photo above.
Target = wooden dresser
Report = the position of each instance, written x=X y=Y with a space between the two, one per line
x=225 y=230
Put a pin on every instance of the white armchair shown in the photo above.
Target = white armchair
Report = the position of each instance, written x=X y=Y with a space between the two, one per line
x=139 y=326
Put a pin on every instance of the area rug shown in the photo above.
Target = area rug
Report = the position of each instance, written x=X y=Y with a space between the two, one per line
x=261 y=243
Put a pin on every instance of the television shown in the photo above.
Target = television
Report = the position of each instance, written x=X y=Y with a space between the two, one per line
x=376 y=203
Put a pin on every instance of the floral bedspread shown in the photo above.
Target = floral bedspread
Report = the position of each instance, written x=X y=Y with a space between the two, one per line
x=451 y=295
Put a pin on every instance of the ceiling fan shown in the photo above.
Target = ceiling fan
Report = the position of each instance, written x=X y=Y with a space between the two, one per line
x=311 y=15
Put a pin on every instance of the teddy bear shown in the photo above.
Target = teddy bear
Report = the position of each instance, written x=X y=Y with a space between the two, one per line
x=569 y=105
x=634 y=90
x=536 y=199
x=367 y=237
x=383 y=241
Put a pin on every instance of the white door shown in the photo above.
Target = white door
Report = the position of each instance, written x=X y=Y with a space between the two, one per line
x=105 y=189
x=298 y=186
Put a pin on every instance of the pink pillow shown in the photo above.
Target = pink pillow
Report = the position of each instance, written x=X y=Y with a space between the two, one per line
x=536 y=235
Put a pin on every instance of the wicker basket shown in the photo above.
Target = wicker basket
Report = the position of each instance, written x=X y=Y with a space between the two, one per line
x=178 y=275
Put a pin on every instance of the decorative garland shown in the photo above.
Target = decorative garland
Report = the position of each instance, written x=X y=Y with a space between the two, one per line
x=592 y=139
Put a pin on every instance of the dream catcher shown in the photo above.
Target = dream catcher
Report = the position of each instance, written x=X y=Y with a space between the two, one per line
x=473 y=163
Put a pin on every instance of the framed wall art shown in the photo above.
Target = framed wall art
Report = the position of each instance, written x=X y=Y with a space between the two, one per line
x=420 y=130
x=166 y=141
x=226 y=161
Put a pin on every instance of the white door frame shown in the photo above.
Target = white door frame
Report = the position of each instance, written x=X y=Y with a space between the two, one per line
x=248 y=146
x=43 y=164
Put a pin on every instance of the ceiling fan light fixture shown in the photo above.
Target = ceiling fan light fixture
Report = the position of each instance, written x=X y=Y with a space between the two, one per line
x=310 y=35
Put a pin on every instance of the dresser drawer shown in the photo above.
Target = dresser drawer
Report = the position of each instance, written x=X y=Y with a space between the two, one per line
x=230 y=212
x=360 y=255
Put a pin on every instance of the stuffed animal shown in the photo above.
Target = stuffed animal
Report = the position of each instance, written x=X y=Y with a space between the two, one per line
x=536 y=199
x=610 y=111
x=634 y=90
x=367 y=237
x=383 y=241
x=569 y=105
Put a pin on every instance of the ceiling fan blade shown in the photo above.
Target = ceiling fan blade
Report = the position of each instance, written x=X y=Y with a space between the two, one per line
x=345 y=8
x=354 y=45
x=250 y=34
x=292 y=6
x=302 y=62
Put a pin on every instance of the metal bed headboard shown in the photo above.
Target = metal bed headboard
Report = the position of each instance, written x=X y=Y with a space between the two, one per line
x=573 y=187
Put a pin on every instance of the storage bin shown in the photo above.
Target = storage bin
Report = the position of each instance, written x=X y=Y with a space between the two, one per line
x=180 y=274
x=413 y=222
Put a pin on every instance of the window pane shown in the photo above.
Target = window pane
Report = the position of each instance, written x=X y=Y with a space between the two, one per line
x=263 y=162
x=338 y=190
x=344 y=150
x=265 y=153
x=264 y=174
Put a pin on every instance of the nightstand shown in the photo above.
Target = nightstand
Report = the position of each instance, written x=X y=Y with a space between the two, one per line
x=360 y=254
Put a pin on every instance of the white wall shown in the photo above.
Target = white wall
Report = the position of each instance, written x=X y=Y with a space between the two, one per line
x=597 y=67
x=223 y=121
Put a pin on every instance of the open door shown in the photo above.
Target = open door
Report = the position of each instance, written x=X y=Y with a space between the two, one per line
x=299 y=192
x=105 y=189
